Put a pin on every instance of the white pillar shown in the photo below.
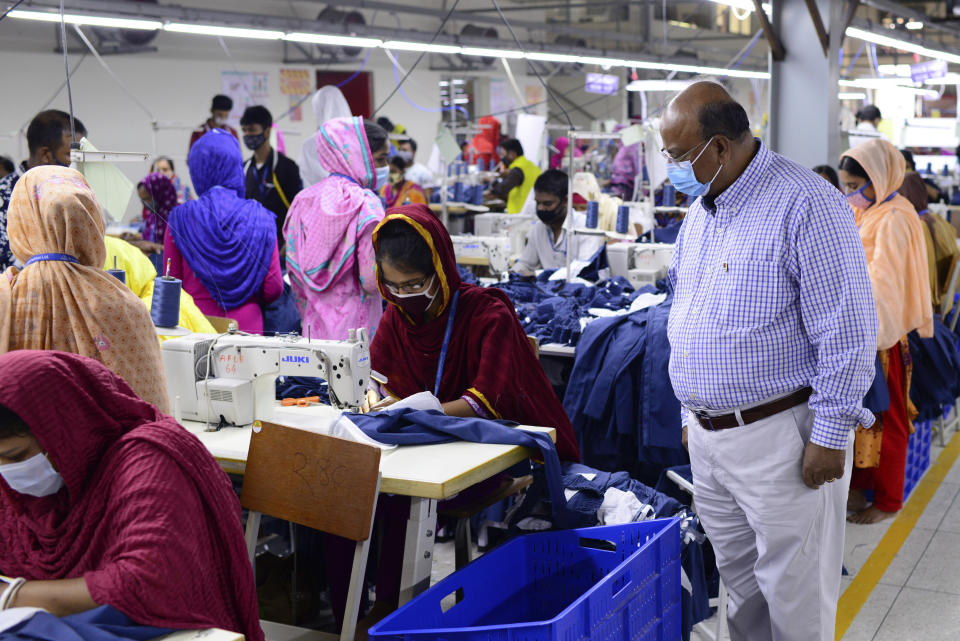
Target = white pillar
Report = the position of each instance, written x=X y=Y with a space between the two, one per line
x=804 y=108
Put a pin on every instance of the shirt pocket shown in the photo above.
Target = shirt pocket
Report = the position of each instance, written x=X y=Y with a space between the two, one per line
x=753 y=293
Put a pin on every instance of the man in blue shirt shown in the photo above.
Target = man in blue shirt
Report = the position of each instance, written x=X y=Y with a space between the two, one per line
x=773 y=333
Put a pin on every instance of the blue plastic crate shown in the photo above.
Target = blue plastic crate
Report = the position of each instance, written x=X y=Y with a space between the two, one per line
x=606 y=583
x=918 y=455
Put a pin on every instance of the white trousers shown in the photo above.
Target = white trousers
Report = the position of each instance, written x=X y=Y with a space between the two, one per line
x=779 y=544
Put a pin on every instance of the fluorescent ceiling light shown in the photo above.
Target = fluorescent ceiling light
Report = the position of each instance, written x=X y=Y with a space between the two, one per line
x=851 y=95
x=706 y=71
x=491 y=53
x=603 y=62
x=333 y=41
x=902 y=45
x=658 y=85
x=420 y=46
x=553 y=57
x=744 y=5
x=93 y=21
x=914 y=25
x=949 y=79
x=231 y=32
x=902 y=71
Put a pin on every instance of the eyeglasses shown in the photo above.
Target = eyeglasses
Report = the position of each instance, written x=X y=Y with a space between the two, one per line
x=684 y=155
x=408 y=288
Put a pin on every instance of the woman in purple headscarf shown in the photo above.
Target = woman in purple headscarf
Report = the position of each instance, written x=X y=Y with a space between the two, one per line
x=221 y=245
x=159 y=197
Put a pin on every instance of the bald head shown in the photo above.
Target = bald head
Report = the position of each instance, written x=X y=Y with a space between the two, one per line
x=704 y=123
x=705 y=109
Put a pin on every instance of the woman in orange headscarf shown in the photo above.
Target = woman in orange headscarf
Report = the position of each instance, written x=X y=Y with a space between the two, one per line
x=896 y=254
x=62 y=299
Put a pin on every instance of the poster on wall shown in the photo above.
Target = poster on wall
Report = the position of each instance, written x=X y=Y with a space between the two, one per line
x=245 y=88
x=294 y=82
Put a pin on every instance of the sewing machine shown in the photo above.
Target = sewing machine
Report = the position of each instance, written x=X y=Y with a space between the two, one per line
x=492 y=251
x=640 y=263
x=231 y=378
x=515 y=226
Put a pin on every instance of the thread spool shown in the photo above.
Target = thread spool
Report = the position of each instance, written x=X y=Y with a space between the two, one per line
x=478 y=194
x=119 y=274
x=458 y=189
x=593 y=214
x=165 y=307
x=623 y=219
x=669 y=195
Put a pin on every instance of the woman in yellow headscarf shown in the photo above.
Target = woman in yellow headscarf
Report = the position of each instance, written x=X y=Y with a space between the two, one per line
x=896 y=254
x=62 y=299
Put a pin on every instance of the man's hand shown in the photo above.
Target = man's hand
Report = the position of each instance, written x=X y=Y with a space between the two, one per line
x=683 y=439
x=822 y=465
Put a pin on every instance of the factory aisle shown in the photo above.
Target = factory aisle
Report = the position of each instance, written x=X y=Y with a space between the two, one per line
x=904 y=574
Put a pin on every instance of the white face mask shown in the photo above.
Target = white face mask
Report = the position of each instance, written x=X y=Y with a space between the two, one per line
x=35 y=476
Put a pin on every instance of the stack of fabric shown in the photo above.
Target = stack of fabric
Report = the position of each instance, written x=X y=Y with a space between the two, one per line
x=552 y=311
x=936 y=371
x=619 y=397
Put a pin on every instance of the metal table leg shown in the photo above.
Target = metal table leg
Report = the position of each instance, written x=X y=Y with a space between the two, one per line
x=418 y=548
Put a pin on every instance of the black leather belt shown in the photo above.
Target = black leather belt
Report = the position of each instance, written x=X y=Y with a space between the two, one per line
x=754 y=414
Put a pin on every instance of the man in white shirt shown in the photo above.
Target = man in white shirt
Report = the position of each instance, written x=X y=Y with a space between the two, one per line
x=547 y=242
x=868 y=119
x=416 y=172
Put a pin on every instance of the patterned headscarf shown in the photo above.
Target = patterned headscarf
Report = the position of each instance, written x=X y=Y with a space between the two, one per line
x=73 y=306
x=164 y=195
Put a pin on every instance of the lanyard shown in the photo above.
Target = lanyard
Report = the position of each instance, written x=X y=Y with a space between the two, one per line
x=446 y=342
x=63 y=258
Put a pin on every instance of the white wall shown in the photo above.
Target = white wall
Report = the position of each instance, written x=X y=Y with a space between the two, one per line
x=176 y=83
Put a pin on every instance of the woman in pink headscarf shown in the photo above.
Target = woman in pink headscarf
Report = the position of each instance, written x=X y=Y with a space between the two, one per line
x=330 y=257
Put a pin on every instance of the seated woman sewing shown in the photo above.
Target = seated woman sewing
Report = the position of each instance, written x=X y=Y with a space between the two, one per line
x=461 y=342
x=104 y=501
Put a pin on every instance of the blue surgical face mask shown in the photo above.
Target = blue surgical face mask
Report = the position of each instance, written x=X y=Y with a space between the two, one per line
x=682 y=176
x=406 y=155
x=382 y=176
x=34 y=476
x=857 y=200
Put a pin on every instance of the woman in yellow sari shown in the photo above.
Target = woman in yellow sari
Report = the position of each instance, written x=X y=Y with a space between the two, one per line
x=896 y=254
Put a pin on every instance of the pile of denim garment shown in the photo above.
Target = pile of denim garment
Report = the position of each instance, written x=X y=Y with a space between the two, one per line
x=551 y=310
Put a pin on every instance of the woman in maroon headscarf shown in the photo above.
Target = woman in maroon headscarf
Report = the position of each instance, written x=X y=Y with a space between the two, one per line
x=106 y=501
x=489 y=369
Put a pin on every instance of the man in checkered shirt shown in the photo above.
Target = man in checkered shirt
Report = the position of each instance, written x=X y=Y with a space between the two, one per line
x=773 y=335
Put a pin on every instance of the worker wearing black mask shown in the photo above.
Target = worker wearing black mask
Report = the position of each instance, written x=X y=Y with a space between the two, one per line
x=547 y=241
x=271 y=178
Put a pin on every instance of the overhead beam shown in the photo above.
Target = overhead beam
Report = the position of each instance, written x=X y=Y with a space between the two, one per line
x=179 y=13
x=776 y=45
x=822 y=36
x=906 y=12
x=849 y=13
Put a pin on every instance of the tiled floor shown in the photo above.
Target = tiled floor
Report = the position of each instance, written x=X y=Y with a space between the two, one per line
x=918 y=597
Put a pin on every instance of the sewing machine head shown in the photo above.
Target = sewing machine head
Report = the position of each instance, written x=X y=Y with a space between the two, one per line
x=640 y=263
x=492 y=251
x=231 y=378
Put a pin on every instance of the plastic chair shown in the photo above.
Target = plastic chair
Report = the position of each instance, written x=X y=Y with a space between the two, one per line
x=318 y=481
x=720 y=603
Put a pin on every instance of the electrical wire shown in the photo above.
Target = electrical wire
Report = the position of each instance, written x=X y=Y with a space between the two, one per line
x=452 y=107
x=546 y=87
x=443 y=24
x=66 y=71
x=19 y=2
